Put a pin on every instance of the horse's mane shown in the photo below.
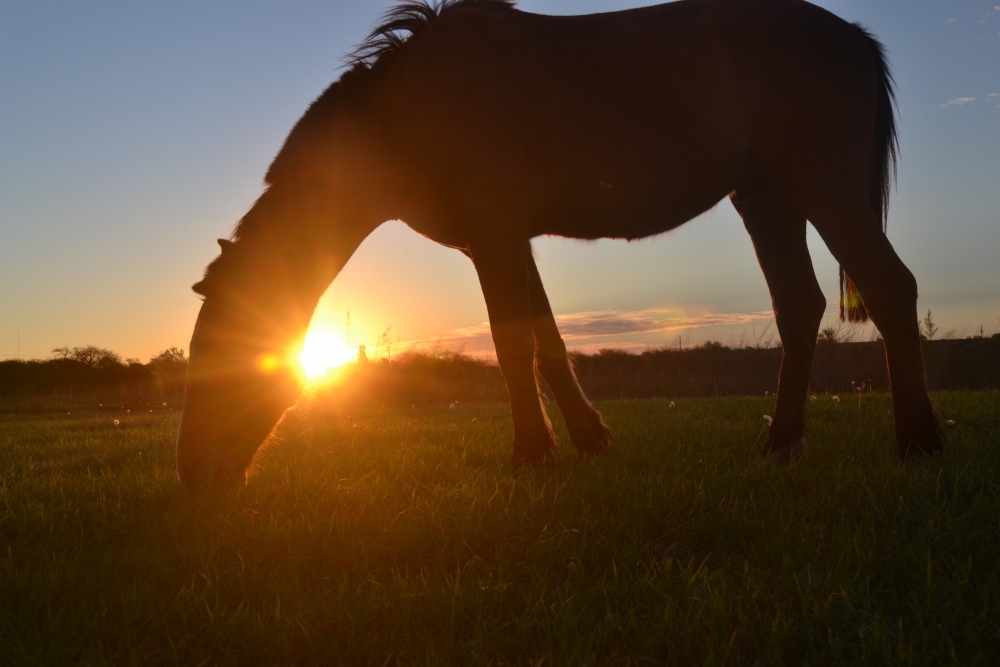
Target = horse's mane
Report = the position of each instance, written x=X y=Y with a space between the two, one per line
x=398 y=25
x=402 y=22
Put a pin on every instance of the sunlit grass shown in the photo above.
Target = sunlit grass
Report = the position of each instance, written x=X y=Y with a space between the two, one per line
x=400 y=537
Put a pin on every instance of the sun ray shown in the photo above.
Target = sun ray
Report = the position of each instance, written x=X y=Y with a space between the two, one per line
x=322 y=352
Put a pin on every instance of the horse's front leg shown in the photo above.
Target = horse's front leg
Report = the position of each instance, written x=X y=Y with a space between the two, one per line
x=503 y=275
x=778 y=231
x=586 y=427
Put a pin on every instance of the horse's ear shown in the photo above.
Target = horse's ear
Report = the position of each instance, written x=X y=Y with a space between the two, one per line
x=226 y=245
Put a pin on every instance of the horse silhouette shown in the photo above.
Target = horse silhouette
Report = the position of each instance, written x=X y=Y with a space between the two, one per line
x=482 y=127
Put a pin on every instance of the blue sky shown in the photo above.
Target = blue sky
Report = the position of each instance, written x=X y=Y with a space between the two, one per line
x=134 y=134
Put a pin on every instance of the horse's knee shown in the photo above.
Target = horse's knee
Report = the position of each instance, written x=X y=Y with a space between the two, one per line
x=892 y=302
x=815 y=308
x=898 y=282
x=906 y=284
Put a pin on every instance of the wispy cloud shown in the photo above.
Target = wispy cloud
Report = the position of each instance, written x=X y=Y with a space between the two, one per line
x=958 y=101
x=577 y=328
x=469 y=332
x=992 y=95
x=950 y=21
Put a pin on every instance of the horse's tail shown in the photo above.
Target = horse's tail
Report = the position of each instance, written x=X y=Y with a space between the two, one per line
x=885 y=151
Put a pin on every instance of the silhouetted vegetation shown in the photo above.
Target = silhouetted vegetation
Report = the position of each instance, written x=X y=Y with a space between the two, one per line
x=415 y=379
x=91 y=375
x=708 y=370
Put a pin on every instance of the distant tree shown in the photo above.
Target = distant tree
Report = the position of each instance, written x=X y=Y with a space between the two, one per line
x=927 y=328
x=828 y=335
x=170 y=363
x=171 y=355
x=169 y=369
x=89 y=355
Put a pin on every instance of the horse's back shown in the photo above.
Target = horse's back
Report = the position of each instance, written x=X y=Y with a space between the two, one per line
x=625 y=123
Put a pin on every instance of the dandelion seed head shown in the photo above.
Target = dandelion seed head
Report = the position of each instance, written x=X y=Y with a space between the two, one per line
x=836 y=399
x=117 y=422
x=452 y=406
x=950 y=423
x=768 y=419
x=672 y=404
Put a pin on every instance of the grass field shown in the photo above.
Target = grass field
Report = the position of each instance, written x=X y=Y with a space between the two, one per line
x=402 y=538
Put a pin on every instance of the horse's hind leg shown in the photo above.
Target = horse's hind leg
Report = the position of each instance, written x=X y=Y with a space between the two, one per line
x=778 y=231
x=504 y=277
x=854 y=235
x=586 y=427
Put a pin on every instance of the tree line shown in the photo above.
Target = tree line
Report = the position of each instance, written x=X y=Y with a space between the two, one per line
x=707 y=370
x=71 y=372
x=711 y=369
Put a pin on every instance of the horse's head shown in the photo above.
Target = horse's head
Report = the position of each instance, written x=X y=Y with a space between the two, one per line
x=328 y=188
x=260 y=294
x=243 y=373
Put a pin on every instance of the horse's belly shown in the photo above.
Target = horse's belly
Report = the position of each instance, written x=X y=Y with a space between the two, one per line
x=611 y=215
x=635 y=200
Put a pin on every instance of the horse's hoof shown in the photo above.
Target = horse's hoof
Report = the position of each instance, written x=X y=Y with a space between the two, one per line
x=532 y=452
x=918 y=432
x=783 y=454
x=921 y=443
x=594 y=438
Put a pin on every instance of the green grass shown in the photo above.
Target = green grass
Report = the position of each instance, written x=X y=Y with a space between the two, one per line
x=402 y=538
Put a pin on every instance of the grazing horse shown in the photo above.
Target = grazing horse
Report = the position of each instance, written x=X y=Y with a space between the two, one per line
x=482 y=127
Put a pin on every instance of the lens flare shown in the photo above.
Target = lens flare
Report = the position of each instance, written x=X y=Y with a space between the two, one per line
x=321 y=353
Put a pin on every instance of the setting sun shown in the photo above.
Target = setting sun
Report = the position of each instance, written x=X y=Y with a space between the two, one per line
x=322 y=352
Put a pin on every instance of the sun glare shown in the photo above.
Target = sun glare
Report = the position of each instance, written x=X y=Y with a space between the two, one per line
x=321 y=353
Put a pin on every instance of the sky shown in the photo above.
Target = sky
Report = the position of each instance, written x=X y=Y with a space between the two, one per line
x=132 y=135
